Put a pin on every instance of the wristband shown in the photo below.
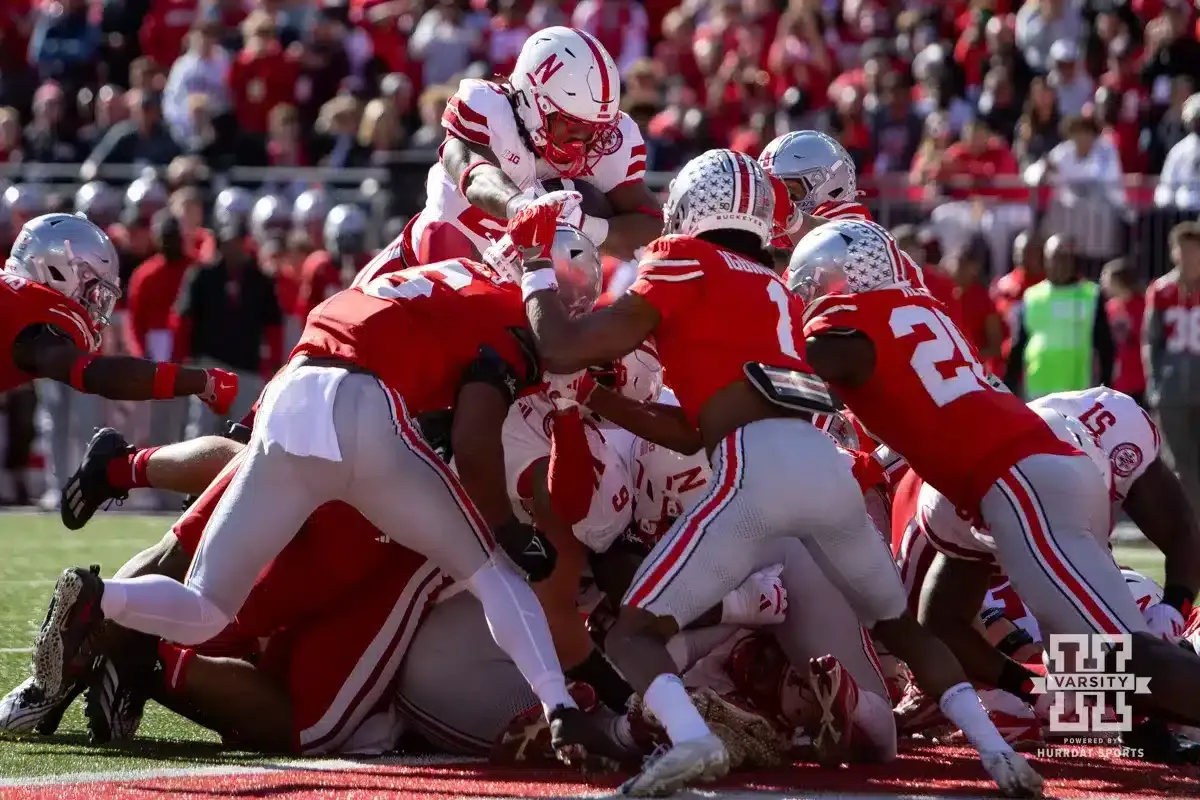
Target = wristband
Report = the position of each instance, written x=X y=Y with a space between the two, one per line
x=539 y=280
x=597 y=672
x=77 y=369
x=466 y=173
x=594 y=228
x=164 y=381
x=1179 y=598
x=1016 y=680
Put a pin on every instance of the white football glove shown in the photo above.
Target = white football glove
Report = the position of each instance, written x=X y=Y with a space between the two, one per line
x=1165 y=622
x=569 y=391
x=504 y=259
x=760 y=600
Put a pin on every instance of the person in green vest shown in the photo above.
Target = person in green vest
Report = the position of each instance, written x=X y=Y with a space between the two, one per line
x=1062 y=341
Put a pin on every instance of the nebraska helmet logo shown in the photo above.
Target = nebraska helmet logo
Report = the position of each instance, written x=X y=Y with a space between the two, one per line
x=1126 y=458
x=545 y=70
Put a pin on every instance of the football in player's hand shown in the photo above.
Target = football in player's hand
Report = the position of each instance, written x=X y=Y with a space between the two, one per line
x=595 y=203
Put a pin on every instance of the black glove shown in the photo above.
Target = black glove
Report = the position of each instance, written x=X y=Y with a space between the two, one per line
x=527 y=548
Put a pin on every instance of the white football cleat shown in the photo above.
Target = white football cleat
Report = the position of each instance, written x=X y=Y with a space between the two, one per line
x=28 y=708
x=696 y=760
x=1012 y=773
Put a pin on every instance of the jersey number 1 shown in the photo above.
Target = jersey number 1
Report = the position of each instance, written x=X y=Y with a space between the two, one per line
x=931 y=357
x=781 y=297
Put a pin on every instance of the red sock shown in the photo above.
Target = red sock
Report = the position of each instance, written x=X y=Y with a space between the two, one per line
x=129 y=472
x=176 y=661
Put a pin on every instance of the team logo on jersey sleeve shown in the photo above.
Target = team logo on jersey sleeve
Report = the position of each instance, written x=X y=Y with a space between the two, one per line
x=1126 y=458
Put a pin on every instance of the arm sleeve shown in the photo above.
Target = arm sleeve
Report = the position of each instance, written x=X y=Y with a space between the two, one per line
x=1015 y=373
x=1102 y=341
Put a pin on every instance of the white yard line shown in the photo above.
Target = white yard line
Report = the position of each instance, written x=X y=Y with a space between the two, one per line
x=16 y=649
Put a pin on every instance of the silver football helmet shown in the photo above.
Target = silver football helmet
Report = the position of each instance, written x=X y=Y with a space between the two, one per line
x=232 y=206
x=100 y=202
x=271 y=218
x=577 y=267
x=847 y=257
x=145 y=197
x=310 y=210
x=815 y=167
x=345 y=230
x=74 y=257
x=720 y=190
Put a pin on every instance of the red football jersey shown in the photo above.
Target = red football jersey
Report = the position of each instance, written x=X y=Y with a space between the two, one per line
x=929 y=398
x=24 y=303
x=719 y=310
x=320 y=279
x=417 y=330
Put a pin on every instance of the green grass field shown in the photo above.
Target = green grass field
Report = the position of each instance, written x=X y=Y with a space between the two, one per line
x=33 y=550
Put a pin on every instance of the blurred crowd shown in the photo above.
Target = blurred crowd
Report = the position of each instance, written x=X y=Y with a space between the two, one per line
x=984 y=131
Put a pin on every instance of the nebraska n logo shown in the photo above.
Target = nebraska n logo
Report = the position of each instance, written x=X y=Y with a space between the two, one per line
x=544 y=71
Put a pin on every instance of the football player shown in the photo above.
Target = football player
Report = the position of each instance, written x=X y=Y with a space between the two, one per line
x=893 y=356
x=557 y=116
x=711 y=265
x=328 y=271
x=57 y=293
x=336 y=424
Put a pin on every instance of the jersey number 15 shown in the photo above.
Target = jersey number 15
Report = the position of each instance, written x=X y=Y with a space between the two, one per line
x=945 y=364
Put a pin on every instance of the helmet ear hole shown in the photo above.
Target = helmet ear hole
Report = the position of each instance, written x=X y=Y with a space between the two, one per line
x=55 y=274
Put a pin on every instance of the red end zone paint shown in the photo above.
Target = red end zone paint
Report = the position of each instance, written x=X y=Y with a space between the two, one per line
x=928 y=771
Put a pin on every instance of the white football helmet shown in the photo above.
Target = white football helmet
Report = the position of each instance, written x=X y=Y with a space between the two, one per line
x=577 y=267
x=309 y=212
x=271 y=218
x=72 y=256
x=1145 y=591
x=815 y=167
x=232 y=206
x=567 y=92
x=720 y=190
x=1074 y=432
x=639 y=374
x=848 y=257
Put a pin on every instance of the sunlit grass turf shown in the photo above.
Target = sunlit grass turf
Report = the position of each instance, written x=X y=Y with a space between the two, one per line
x=34 y=549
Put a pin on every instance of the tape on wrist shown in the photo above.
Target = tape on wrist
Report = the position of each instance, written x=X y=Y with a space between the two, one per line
x=164 y=381
x=539 y=280
x=77 y=369
x=595 y=228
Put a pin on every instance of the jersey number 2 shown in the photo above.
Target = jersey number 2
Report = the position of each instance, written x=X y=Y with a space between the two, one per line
x=932 y=357
x=416 y=284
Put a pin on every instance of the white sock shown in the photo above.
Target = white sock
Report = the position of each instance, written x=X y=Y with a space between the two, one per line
x=518 y=625
x=962 y=706
x=670 y=703
x=873 y=716
x=163 y=607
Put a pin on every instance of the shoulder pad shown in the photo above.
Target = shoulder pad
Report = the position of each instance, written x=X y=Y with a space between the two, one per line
x=479 y=112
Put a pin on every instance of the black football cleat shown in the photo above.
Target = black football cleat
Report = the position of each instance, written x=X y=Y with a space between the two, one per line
x=1159 y=744
x=73 y=616
x=88 y=489
x=118 y=689
x=582 y=740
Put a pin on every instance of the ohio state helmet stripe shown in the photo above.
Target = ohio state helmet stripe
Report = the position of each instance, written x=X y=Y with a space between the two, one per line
x=598 y=54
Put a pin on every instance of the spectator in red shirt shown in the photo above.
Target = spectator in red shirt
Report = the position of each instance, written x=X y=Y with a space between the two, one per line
x=620 y=25
x=939 y=284
x=799 y=57
x=324 y=65
x=1126 y=306
x=153 y=288
x=977 y=313
x=674 y=53
x=164 y=28
x=973 y=164
x=1121 y=128
x=1007 y=291
x=752 y=137
x=262 y=76
x=388 y=26
x=285 y=147
x=199 y=243
x=506 y=34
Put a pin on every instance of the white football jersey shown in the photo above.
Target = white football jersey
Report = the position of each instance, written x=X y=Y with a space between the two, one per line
x=481 y=113
x=1125 y=431
x=950 y=532
x=526 y=436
